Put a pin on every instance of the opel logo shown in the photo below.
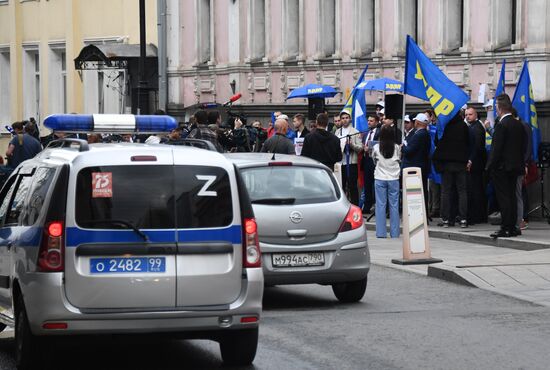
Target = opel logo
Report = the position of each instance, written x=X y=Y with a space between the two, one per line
x=296 y=217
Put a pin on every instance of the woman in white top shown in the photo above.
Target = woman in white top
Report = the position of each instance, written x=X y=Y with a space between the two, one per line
x=386 y=155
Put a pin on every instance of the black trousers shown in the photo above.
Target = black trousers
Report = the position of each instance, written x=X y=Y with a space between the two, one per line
x=454 y=179
x=505 y=190
x=351 y=182
x=368 y=177
x=477 y=202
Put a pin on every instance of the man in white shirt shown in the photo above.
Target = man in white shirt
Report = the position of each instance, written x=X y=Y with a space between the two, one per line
x=350 y=142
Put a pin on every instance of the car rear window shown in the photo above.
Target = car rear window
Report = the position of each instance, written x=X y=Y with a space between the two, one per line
x=154 y=197
x=301 y=185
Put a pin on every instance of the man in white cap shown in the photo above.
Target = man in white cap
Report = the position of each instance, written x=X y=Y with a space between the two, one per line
x=416 y=151
x=409 y=127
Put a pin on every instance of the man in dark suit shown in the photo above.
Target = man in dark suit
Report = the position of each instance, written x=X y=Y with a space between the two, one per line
x=408 y=125
x=368 y=164
x=416 y=151
x=506 y=163
x=477 y=202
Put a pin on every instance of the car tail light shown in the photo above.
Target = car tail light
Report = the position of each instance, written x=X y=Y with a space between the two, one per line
x=353 y=220
x=251 y=246
x=51 y=253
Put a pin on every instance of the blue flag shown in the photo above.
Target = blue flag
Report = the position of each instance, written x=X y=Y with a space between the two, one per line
x=524 y=102
x=500 y=86
x=424 y=80
x=356 y=104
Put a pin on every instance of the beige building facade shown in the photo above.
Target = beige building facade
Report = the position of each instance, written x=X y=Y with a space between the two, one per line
x=39 y=41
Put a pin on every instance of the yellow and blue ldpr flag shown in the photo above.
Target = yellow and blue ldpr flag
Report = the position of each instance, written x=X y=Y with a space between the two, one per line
x=524 y=102
x=424 y=80
x=356 y=105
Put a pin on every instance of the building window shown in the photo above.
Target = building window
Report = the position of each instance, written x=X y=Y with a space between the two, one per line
x=204 y=37
x=57 y=84
x=5 y=82
x=31 y=82
x=452 y=25
x=504 y=23
x=407 y=13
x=256 y=30
x=326 y=28
x=364 y=27
x=291 y=29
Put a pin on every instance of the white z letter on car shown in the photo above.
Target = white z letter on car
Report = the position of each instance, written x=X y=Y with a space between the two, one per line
x=204 y=192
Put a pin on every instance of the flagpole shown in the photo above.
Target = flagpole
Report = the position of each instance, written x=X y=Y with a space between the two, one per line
x=403 y=120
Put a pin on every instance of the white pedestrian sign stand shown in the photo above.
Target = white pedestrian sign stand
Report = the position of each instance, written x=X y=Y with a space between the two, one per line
x=416 y=242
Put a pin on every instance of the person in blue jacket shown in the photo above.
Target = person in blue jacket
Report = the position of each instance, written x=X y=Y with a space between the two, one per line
x=416 y=151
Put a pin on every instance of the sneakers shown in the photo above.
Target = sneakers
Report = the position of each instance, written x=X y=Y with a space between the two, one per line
x=463 y=224
x=523 y=225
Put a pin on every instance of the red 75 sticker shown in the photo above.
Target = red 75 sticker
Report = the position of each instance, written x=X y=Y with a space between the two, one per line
x=102 y=184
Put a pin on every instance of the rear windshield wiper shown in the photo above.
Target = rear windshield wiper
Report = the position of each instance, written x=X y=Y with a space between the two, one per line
x=108 y=221
x=274 y=201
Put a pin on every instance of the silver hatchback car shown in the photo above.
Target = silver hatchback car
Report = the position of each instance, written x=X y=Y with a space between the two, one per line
x=309 y=232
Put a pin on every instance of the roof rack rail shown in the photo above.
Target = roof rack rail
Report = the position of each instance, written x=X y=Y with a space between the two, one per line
x=68 y=143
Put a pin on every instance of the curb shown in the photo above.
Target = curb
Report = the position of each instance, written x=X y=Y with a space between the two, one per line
x=512 y=243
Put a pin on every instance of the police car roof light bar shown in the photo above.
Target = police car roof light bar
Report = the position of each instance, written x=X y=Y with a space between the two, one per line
x=110 y=123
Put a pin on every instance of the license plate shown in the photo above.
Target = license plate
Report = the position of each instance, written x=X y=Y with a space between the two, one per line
x=118 y=265
x=298 y=259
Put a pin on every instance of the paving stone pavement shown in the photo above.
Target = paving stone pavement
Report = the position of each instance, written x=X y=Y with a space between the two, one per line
x=514 y=272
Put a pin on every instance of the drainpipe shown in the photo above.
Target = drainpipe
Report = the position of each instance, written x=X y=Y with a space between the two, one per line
x=163 y=82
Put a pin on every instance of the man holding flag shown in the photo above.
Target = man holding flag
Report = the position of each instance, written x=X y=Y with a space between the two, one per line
x=424 y=80
x=353 y=122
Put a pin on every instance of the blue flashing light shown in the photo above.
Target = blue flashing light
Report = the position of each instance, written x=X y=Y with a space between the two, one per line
x=70 y=122
x=155 y=123
x=110 y=123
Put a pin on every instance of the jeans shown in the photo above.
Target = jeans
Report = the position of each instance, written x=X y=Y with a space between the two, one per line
x=387 y=192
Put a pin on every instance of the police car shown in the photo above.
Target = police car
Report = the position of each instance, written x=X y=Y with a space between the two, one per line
x=128 y=238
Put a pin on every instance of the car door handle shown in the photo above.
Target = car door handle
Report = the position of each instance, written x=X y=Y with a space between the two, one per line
x=297 y=233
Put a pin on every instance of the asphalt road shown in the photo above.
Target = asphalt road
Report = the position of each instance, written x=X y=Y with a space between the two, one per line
x=405 y=321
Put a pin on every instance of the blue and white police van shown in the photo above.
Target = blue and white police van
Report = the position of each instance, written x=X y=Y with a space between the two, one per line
x=128 y=238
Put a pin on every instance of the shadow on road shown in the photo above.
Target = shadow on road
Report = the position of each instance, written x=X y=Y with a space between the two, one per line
x=122 y=353
x=285 y=297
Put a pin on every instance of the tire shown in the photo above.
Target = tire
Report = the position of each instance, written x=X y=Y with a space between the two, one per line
x=26 y=344
x=351 y=291
x=238 y=348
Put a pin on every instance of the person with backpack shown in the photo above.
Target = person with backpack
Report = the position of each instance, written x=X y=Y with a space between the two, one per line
x=22 y=147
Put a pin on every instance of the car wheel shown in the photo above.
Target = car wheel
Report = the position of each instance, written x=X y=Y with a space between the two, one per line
x=351 y=291
x=26 y=344
x=238 y=348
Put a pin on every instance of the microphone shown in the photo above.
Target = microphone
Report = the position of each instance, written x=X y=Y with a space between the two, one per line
x=233 y=99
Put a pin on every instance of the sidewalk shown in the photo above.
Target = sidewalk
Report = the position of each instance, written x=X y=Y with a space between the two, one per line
x=517 y=268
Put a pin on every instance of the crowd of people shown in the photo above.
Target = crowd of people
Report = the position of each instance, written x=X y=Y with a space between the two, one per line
x=470 y=172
